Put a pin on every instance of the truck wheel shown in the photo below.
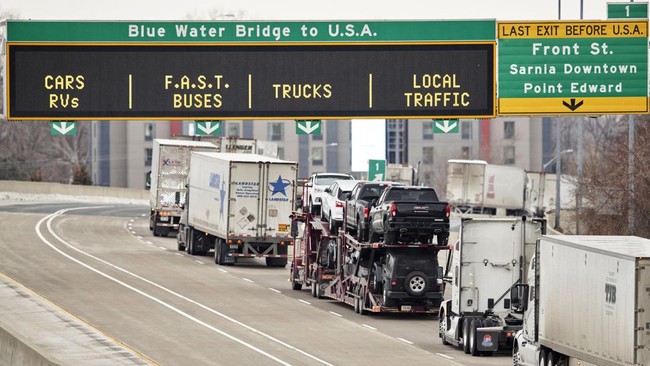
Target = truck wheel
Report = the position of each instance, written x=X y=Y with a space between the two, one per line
x=276 y=262
x=151 y=222
x=333 y=224
x=443 y=239
x=390 y=238
x=180 y=244
x=319 y=291
x=376 y=278
x=388 y=302
x=442 y=327
x=356 y=300
x=313 y=288
x=516 y=356
x=543 y=357
x=154 y=228
x=372 y=235
x=416 y=283
x=360 y=233
x=296 y=285
x=473 y=349
x=466 y=324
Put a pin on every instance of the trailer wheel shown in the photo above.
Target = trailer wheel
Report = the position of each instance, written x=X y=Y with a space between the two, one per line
x=154 y=228
x=466 y=324
x=220 y=251
x=416 y=283
x=442 y=327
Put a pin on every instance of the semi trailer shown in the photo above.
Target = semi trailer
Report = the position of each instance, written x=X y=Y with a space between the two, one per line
x=240 y=206
x=170 y=167
x=586 y=302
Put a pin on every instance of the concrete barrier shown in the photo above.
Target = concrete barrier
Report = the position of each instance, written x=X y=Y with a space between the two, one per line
x=14 y=351
x=72 y=190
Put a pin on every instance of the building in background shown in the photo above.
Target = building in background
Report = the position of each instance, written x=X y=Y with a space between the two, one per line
x=515 y=141
x=121 y=151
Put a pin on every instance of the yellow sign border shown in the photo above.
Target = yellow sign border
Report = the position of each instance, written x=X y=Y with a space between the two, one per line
x=555 y=106
x=568 y=29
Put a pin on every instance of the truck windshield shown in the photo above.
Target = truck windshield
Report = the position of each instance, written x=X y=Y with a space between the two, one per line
x=326 y=180
x=407 y=260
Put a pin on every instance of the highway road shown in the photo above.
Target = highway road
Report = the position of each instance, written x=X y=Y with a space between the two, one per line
x=102 y=264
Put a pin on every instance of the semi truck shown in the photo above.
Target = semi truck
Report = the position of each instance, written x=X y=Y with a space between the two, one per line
x=170 y=166
x=240 y=206
x=474 y=186
x=490 y=256
x=376 y=277
x=585 y=302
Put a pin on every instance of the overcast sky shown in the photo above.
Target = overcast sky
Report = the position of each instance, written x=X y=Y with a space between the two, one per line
x=304 y=9
x=368 y=135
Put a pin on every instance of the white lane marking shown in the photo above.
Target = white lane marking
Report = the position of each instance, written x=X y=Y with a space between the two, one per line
x=405 y=340
x=304 y=302
x=139 y=237
x=248 y=280
x=199 y=262
x=223 y=270
x=163 y=248
x=131 y=220
x=445 y=356
x=274 y=290
x=148 y=242
x=51 y=217
x=368 y=326
x=179 y=254
x=336 y=314
x=133 y=232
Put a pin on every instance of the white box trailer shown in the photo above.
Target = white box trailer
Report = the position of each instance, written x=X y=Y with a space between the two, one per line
x=401 y=173
x=240 y=205
x=588 y=302
x=473 y=186
x=540 y=192
x=491 y=255
x=465 y=183
x=170 y=167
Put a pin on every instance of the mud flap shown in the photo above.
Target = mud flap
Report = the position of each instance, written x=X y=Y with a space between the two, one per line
x=487 y=340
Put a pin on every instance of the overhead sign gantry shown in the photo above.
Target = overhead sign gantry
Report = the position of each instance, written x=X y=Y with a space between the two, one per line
x=250 y=70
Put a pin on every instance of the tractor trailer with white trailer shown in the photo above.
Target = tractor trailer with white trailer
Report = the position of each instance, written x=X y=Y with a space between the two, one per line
x=240 y=206
x=474 y=186
x=586 y=302
x=170 y=167
x=491 y=255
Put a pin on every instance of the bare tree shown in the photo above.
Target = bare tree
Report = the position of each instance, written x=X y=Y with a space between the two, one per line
x=604 y=187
